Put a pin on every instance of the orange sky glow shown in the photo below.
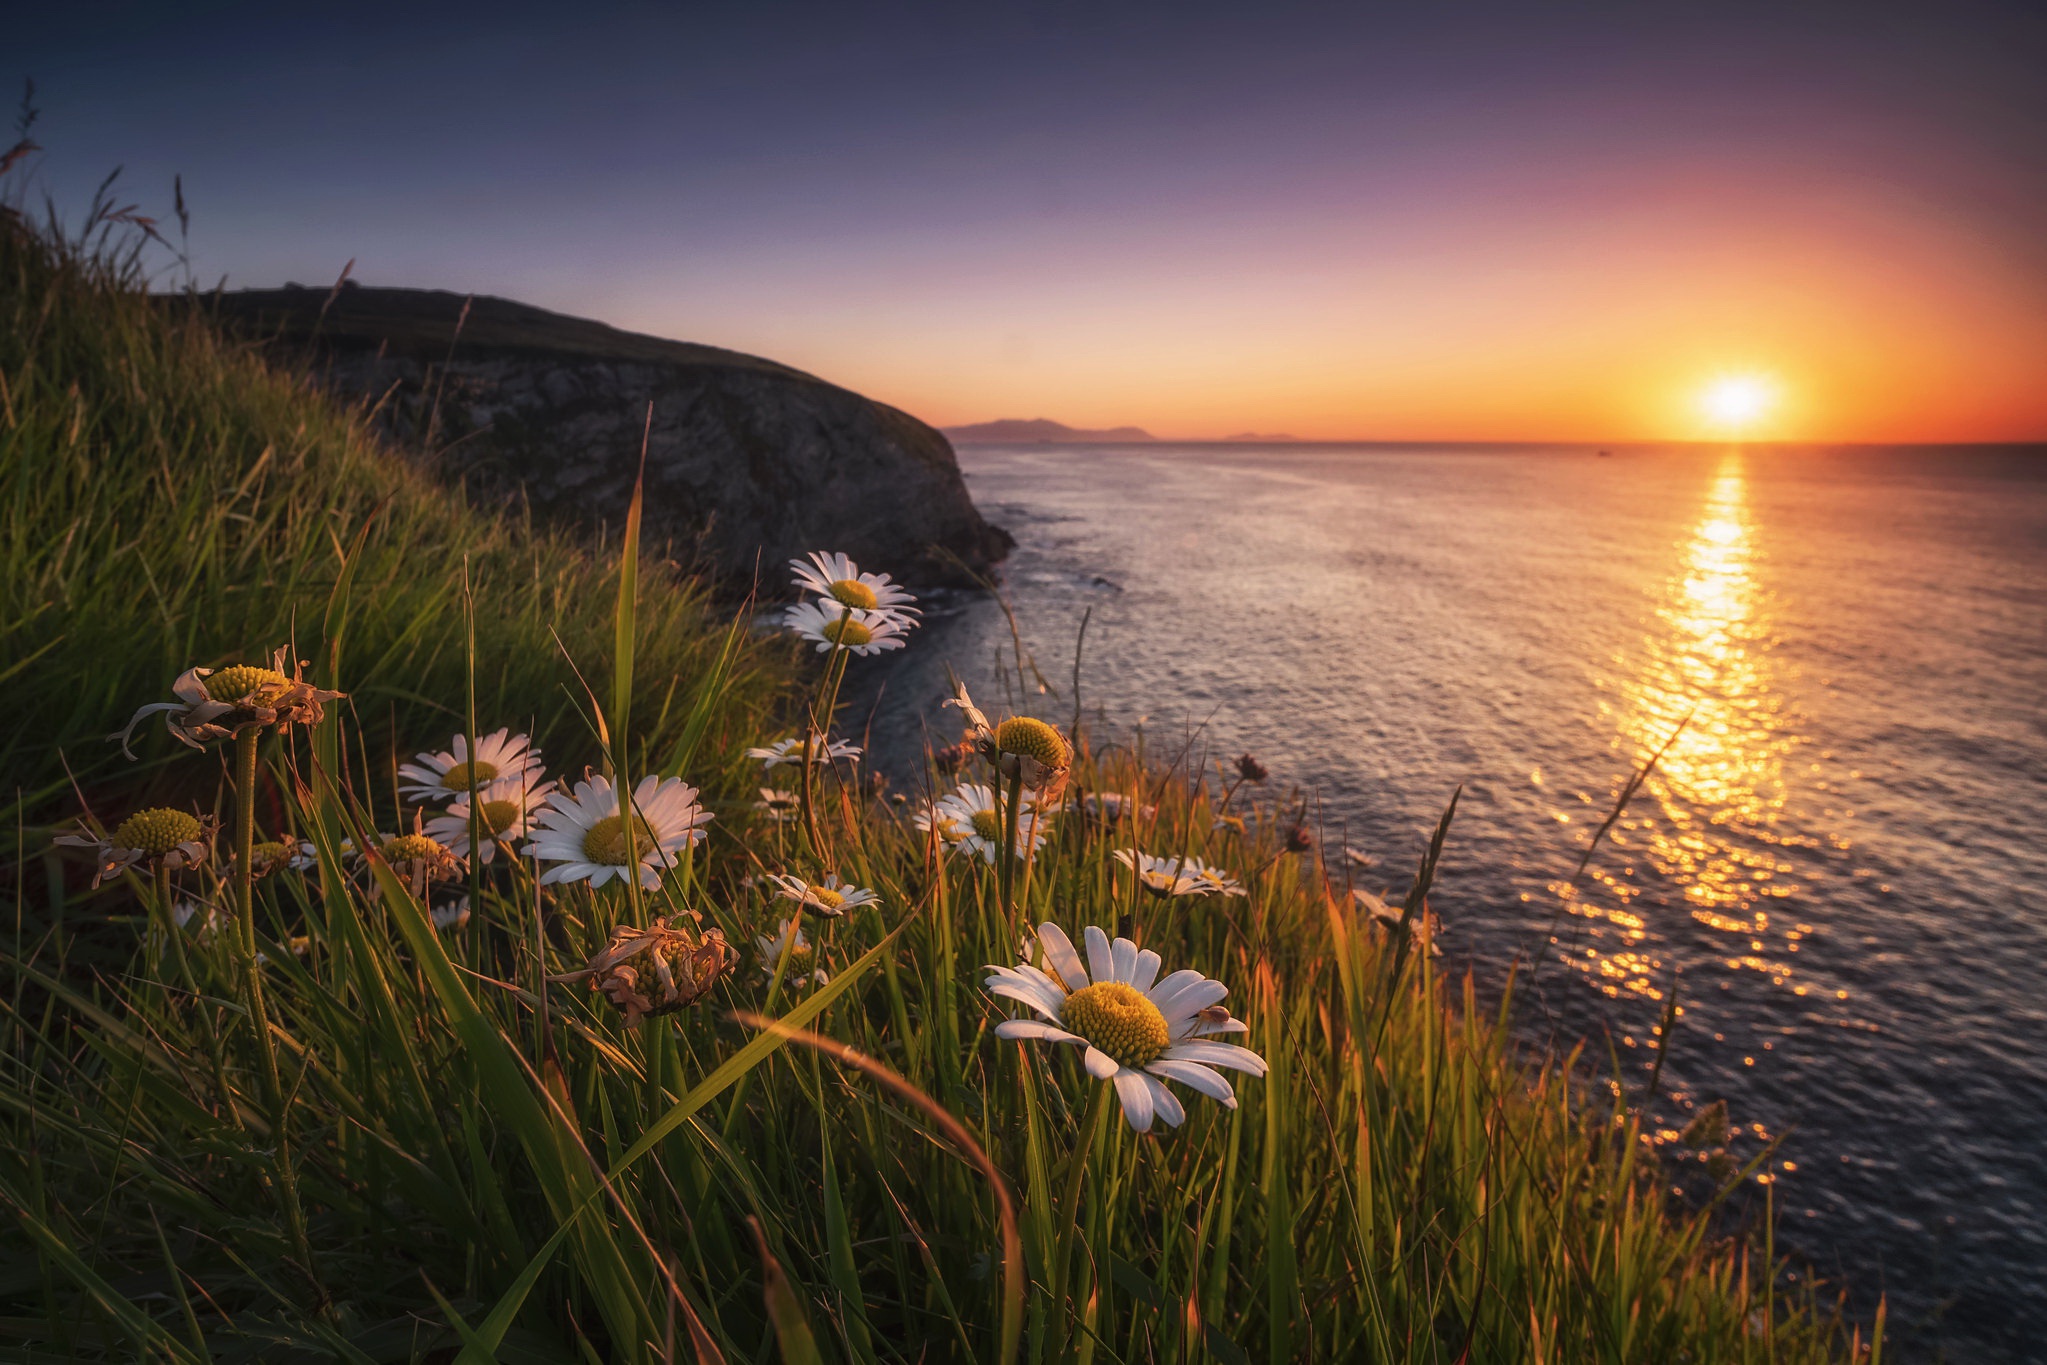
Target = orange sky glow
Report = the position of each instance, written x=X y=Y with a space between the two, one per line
x=1875 y=320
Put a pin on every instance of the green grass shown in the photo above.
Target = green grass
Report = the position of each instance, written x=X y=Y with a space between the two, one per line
x=167 y=499
x=459 y=1159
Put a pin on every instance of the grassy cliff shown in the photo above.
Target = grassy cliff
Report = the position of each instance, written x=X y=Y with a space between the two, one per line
x=315 y=1114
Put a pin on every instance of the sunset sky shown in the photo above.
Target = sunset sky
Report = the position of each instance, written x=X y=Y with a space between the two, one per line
x=1346 y=221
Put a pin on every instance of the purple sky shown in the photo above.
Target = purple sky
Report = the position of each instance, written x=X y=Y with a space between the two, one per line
x=1338 y=220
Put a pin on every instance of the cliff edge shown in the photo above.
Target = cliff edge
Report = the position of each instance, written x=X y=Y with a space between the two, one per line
x=749 y=463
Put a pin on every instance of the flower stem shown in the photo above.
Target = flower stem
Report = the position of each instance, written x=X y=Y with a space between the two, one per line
x=817 y=736
x=1068 y=1212
x=1006 y=856
x=286 y=1174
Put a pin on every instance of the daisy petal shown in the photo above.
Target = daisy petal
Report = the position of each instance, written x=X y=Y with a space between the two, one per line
x=1101 y=960
x=1125 y=954
x=1134 y=1089
x=1146 y=971
x=1032 y=1028
x=1025 y=992
x=1216 y=1054
x=1059 y=952
x=1162 y=994
x=1100 y=1064
x=1165 y=1103
x=1196 y=1076
x=1191 y=1002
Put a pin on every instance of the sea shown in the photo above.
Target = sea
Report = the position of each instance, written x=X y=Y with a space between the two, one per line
x=1836 y=657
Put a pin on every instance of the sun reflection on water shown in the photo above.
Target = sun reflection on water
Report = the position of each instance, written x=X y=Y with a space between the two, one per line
x=1705 y=830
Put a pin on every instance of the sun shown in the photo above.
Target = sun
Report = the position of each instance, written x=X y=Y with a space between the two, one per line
x=1735 y=403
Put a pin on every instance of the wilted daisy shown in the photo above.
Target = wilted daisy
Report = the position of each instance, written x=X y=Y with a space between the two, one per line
x=791 y=750
x=798 y=968
x=830 y=898
x=504 y=812
x=153 y=838
x=1137 y=1031
x=969 y=821
x=457 y=771
x=839 y=581
x=220 y=703
x=419 y=858
x=836 y=627
x=585 y=833
x=1020 y=745
x=672 y=963
x=779 y=806
x=270 y=856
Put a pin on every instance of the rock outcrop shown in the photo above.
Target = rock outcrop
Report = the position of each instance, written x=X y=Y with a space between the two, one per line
x=749 y=463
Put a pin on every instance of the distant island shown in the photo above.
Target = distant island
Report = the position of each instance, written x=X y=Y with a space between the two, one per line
x=1042 y=431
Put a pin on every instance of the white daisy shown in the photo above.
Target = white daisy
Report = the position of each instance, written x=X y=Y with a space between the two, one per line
x=799 y=968
x=1165 y=877
x=838 y=579
x=1218 y=882
x=456 y=771
x=969 y=821
x=833 y=626
x=584 y=832
x=830 y=898
x=505 y=812
x=453 y=915
x=1138 y=1031
x=779 y=806
x=790 y=750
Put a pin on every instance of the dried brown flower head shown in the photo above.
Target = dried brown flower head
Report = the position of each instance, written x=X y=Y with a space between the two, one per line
x=218 y=704
x=1250 y=769
x=671 y=964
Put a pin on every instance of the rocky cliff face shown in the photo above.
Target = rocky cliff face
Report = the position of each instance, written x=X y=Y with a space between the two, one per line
x=749 y=463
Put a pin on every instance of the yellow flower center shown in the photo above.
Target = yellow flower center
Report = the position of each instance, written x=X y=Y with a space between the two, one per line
x=605 y=843
x=988 y=825
x=242 y=681
x=852 y=592
x=1029 y=735
x=413 y=848
x=1118 y=1019
x=828 y=898
x=797 y=963
x=467 y=777
x=156 y=831
x=497 y=816
x=848 y=632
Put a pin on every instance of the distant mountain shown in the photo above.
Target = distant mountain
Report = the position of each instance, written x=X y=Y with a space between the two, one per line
x=1021 y=431
x=1266 y=437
